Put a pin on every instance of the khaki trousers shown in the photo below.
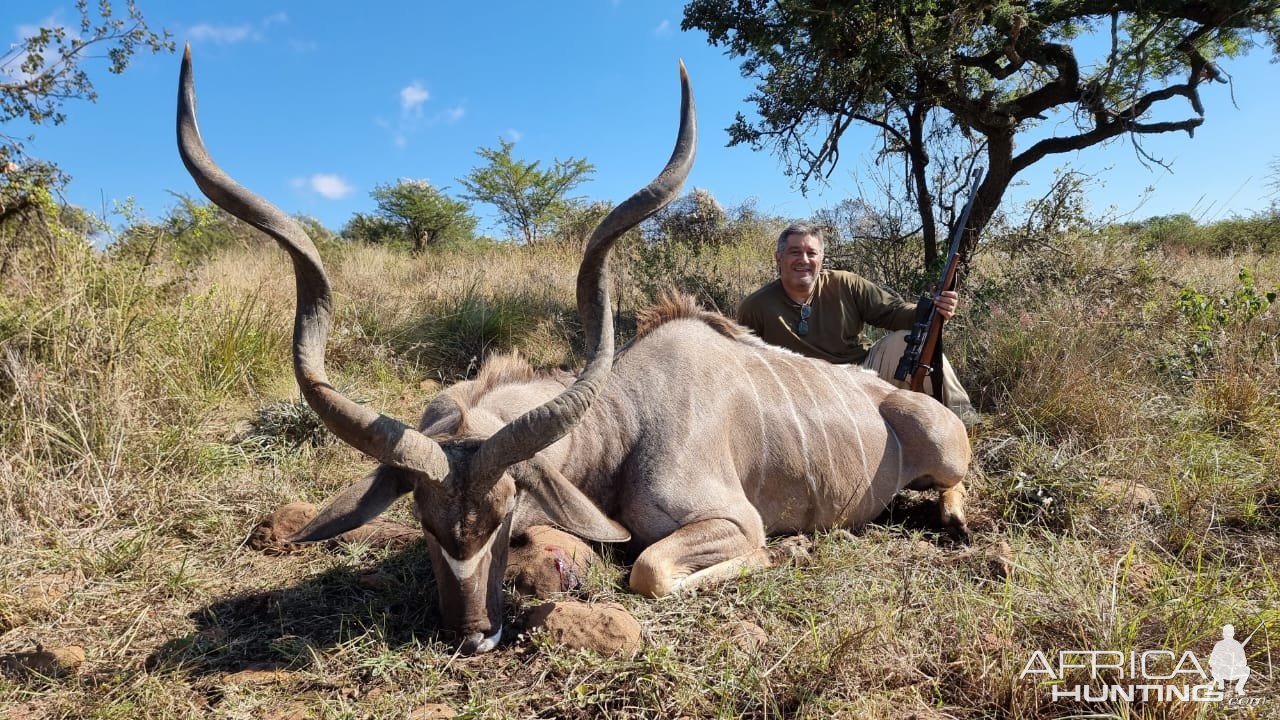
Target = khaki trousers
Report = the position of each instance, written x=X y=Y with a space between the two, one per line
x=883 y=357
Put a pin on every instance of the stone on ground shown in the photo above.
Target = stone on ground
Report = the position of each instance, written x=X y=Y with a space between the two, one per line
x=606 y=628
x=271 y=535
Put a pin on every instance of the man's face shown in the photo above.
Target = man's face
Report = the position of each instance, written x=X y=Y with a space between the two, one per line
x=800 y=261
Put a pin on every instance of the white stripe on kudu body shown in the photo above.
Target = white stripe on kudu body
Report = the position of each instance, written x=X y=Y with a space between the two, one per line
x=901 y=481
x=799 y=426
x=857 y=431
x=764 y=429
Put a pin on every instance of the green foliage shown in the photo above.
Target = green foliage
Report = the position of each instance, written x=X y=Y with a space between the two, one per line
x=875 y=243
x=193 y=231
x=43 y=70
x=529 y=201
x=995 y=72
x=421 y=214
x=696 y=246
x=1258 y=233
x=28 y=211
x=455 y=335
x=578 y=219
x=372 y=230
x=281 y=429
x=1213 y=321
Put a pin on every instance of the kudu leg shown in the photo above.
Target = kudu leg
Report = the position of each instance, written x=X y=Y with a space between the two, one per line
x=951 y=500
x=702 y=552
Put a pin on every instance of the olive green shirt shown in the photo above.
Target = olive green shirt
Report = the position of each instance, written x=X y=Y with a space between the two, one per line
x=841 y=305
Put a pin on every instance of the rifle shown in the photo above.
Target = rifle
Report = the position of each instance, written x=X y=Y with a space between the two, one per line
x=925 y=340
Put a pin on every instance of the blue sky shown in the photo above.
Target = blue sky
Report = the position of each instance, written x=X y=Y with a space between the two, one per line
x=312 y=104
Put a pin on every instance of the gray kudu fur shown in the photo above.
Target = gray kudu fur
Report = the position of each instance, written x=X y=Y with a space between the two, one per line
x=694 y=443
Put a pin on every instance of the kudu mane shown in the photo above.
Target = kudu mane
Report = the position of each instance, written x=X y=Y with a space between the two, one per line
x=674 y=306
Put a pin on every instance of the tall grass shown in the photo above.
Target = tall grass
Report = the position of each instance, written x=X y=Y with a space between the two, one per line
x=149 y=417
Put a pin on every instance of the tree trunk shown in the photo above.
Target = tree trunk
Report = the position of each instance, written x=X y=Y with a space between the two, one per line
x=999 y=175
x=919 y=160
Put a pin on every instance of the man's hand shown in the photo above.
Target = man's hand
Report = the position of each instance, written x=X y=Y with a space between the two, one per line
x=946 y=303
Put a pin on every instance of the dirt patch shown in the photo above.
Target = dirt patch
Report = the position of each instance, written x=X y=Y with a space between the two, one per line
x=52 y=663
x=546 y=561
x=747 y=635
x=431 y=711
x=1131 y=496
x=607 y=628
x=255 y=678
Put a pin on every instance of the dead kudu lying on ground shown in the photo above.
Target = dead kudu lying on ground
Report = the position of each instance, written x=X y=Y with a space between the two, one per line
x=695 y=443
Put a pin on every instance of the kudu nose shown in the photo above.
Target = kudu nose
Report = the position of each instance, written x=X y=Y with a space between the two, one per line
x=478 y=643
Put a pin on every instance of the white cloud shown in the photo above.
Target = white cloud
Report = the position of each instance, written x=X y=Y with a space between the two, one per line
x=326 y=185
x=514 y=135
x=229 y=34
x=412 y=97
x=454 y=114
x=663 y=29
x=221 y=34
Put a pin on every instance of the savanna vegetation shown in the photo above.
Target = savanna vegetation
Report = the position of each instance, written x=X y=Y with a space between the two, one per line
x=1123 y=491
x=1122 y=496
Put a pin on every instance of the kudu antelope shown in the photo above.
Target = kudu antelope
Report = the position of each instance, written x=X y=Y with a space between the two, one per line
x=694 y=443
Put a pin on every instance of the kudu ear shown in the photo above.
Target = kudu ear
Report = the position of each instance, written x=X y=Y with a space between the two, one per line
x=361 y=502
x=441 y=417
x=564 y=504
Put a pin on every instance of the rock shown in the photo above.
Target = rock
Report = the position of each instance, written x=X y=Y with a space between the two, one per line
x=270 y=536
x=793 y=549
x=431 y=711
x=747 y=635
x=55 y=663
x=607 y=628
x=546 y=561
x=257 y=677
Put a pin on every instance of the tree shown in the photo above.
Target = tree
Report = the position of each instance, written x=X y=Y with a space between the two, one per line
x=995 y=70
x=423 y=213
x=528 y=200
x=43 y=70
x=371 y=229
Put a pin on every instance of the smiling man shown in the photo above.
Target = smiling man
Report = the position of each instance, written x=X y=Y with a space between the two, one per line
x=822 y=313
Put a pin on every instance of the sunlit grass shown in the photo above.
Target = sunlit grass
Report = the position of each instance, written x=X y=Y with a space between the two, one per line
x=149 y=418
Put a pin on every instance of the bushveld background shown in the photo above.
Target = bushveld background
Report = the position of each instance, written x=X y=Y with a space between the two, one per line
x=1123 y=494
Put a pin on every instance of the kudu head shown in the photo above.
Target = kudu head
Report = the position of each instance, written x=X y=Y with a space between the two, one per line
x=467 y=489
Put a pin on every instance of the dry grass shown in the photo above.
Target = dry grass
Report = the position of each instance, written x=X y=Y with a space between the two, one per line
x=147 y=423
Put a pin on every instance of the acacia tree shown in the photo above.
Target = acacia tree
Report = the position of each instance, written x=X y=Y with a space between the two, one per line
x=529 y=200
x=994 y=70
x=423 y=213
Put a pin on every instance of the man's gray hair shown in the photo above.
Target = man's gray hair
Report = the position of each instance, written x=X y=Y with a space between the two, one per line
x=800 y=228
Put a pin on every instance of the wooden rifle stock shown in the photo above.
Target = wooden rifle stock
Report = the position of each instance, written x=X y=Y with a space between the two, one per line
x=923 y=356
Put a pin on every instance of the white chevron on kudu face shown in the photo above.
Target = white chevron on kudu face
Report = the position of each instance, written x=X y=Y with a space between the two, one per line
x=464 y=571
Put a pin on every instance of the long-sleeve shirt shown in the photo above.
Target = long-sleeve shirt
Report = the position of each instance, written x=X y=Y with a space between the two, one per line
x=841 y=305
